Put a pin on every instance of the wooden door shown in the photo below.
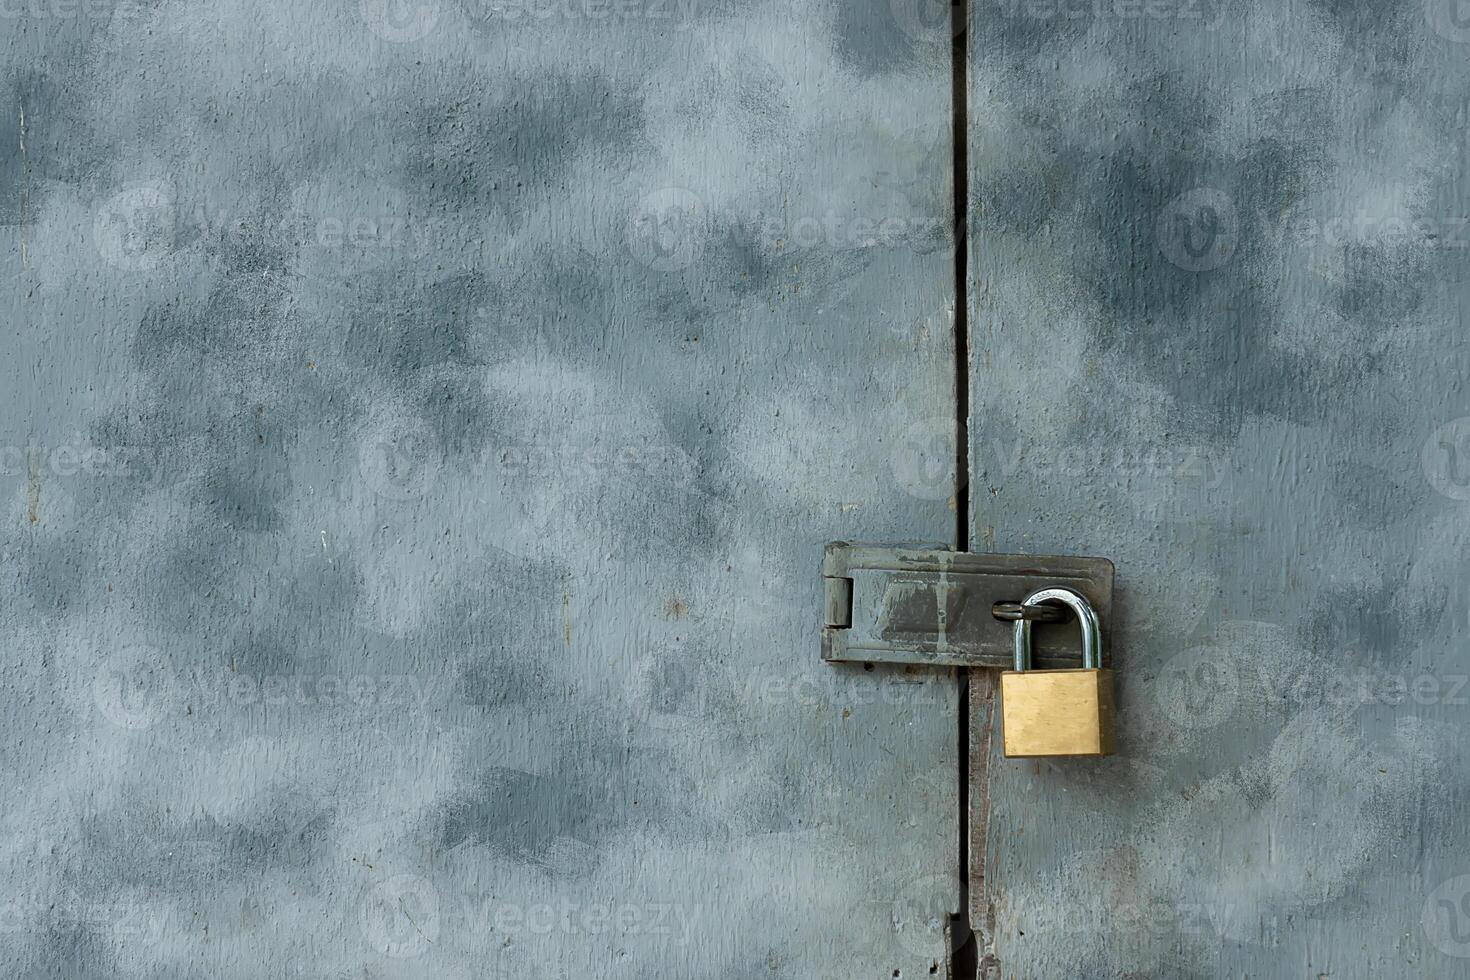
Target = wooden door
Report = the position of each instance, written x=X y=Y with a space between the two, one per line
x=425 y=420
x=1217 y=290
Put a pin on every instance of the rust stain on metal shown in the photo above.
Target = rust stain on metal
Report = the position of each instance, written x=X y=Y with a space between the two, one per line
x=982 y=912
x=33 y=484
x=566 y=618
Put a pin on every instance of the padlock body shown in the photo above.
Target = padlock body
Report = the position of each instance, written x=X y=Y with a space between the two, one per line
x=1057 y=712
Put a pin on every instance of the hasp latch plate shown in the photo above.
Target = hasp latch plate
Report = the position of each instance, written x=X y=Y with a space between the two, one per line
x=922 y=605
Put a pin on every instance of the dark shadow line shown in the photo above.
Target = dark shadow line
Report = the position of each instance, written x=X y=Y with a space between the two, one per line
x=964 y=961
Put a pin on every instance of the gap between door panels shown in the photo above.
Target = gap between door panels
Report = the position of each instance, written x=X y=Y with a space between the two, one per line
x=964 y=963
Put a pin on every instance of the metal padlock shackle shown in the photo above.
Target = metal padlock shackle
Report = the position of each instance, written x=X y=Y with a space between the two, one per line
x=1086 y=618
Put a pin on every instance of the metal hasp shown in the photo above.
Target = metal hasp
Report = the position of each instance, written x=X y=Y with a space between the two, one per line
x=919 y=605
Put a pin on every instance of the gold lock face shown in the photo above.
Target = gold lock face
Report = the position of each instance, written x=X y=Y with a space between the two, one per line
x=1057 y=712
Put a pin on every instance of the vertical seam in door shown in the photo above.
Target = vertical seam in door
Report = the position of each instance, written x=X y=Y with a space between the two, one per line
x=961 y=276
x=963 y=958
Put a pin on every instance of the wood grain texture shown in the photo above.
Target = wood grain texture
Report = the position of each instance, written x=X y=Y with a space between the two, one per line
x=1218 y=288
x=421 y=425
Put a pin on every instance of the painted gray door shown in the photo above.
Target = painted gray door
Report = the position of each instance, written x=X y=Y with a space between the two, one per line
x=423 y=421
x=1218 y=293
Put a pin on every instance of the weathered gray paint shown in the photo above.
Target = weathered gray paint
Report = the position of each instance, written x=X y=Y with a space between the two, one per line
x=423 y=422
x=1265 y=426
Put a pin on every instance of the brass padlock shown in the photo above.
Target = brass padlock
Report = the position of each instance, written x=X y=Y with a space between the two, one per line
x=1058 y=712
